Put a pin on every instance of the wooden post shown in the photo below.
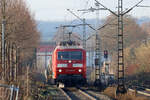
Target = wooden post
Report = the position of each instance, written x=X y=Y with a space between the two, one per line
x=27 y=80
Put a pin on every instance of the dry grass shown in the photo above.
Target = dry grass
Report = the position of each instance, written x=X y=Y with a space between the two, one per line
x=129 y=96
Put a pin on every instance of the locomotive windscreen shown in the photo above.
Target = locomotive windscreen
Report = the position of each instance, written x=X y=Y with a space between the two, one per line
x=70 y=55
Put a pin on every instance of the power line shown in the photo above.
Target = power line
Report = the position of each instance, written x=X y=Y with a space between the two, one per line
x=106 y=8
x=81 y=19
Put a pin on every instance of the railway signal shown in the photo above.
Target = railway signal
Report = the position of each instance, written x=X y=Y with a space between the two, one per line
x=105 y=54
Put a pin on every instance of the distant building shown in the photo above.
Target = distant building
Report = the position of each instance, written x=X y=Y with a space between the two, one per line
x=44 y=53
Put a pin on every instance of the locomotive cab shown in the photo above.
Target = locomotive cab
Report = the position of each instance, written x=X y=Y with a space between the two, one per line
x=69 y=63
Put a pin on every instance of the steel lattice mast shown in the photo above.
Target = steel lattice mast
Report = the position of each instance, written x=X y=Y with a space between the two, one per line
x=84 y=34
x=97 y=51
x=97 y=43
x=121 y=82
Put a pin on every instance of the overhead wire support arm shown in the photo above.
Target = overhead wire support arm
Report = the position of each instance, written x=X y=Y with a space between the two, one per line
x=142 y=6
x=132 y=7
x=108 y=23
x=92 y=9
x=66 y=26
x=81 y=19
x=107 y=8
x=89 y=24
x=72 y=25
x=103 y=26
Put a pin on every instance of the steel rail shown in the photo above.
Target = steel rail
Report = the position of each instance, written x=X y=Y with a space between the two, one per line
x=86 y=94
x=68 y=97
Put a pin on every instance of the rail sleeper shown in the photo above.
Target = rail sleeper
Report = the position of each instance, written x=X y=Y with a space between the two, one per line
x=146 y=94
x=92 y=98
x=147 y=89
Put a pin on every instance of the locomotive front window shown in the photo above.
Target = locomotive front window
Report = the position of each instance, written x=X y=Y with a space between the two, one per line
x=70 y=55
x=75 y=55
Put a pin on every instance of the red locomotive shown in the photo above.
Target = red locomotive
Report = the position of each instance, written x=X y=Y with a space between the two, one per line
x=68 y=63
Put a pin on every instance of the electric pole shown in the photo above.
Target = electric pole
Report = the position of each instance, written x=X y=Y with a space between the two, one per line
x=121 y=81
x=27 y=75
x=35 y=57
x=84 y=34
x=97 y=52
x=45 y=58
x=63 y=33
x=97 y=44
x=3 y=38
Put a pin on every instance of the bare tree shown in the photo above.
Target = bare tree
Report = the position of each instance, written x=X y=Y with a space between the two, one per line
x=21 y=38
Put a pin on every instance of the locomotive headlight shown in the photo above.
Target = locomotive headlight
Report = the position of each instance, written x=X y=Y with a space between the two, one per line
x=77 y=65
x=61 y=65
x=80 y=70
x=60 y=70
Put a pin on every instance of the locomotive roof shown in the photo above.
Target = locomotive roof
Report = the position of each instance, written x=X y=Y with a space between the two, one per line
x=69 y=47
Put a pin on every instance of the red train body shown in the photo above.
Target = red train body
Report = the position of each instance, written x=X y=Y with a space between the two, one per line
x=69 y=64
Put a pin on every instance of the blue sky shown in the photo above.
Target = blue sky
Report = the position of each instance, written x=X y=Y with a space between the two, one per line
x=55 y=10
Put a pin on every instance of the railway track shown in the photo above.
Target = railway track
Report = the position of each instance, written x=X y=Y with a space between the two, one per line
x=77 y=94
x=50 y=93
x=141 y=91
x=97 y=94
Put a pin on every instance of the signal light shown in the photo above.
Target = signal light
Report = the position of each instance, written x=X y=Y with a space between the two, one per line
x=105 y=54
x=97 y=62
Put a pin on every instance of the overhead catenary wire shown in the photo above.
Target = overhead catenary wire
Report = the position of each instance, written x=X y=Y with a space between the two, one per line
x=125 y=12
x=103 y=26
x=106 y=8
x=132 y=7
x=81 y=19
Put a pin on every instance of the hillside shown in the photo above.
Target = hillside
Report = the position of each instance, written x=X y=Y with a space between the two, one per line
x=48 y=28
